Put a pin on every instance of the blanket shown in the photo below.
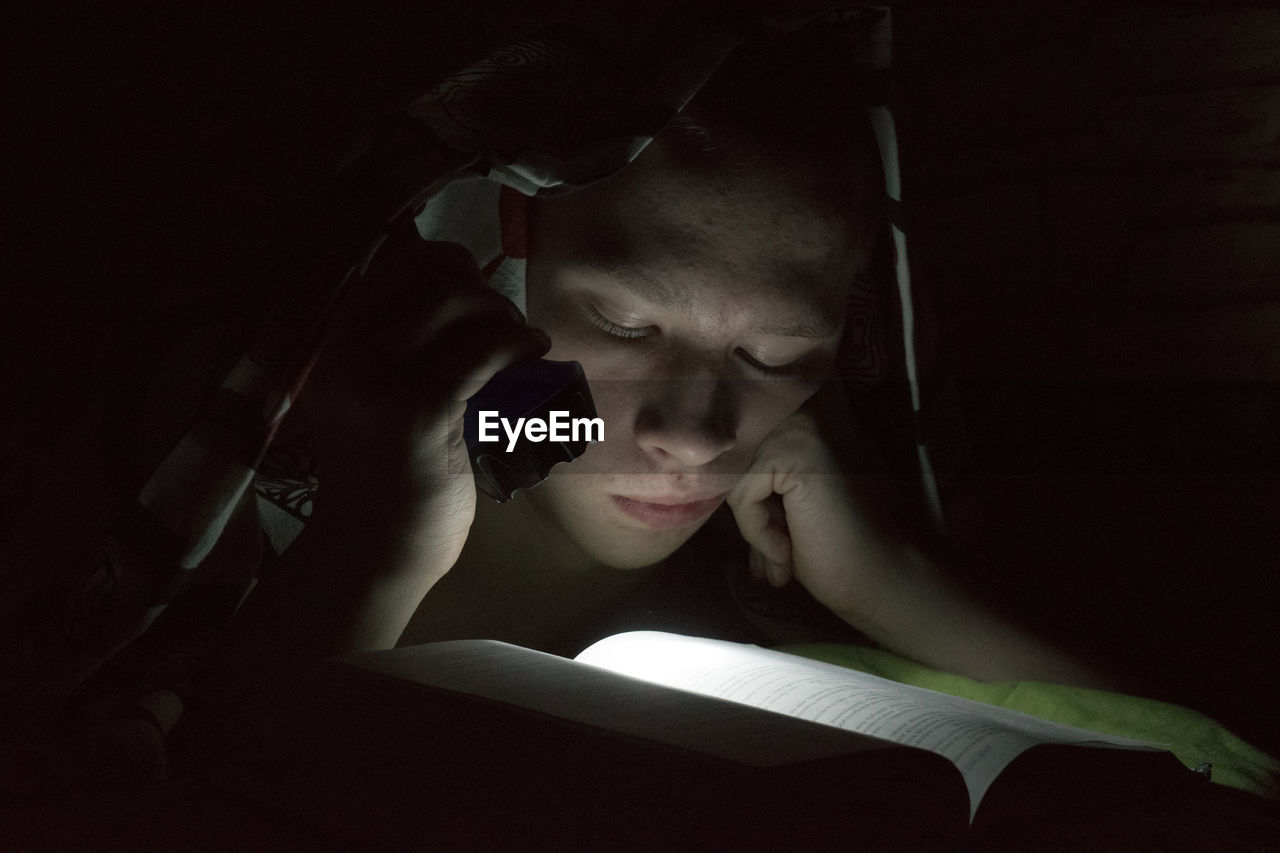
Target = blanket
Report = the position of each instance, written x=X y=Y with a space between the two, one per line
x=553 y=113
x=1197 y=741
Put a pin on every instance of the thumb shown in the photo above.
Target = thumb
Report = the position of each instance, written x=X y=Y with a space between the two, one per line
x=761 y=519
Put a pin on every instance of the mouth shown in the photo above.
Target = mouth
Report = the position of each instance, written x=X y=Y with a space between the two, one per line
x=665 y=513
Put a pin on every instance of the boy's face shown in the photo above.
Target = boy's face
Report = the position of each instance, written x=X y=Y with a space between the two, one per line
x=704 y=312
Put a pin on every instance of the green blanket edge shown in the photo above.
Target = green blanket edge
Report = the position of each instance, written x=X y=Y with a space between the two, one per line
x=1191 y=736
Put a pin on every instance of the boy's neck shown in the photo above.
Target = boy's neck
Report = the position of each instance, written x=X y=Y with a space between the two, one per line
x=519 y=579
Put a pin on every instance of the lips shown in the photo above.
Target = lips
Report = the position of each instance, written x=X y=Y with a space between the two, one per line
x=667 y=512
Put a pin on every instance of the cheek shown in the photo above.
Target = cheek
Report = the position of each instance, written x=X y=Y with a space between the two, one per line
x=612 y=369
x=617 y=390
x=766 y=405
x=616 y=407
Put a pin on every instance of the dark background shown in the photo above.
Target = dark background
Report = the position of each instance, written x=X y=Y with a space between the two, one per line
x=1093 y=201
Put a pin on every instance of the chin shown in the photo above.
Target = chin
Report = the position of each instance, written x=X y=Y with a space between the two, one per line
x=626 y=556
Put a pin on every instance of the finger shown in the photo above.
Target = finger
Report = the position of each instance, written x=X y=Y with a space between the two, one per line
x=468 y=353
x=751 y=488
x=530 y=347
x=778 y=574
x=778 y=568
x=409 y=269
x=746 y=501
x=754 y=516
x=461 y=307
x=398 y=329
x=407 y=281
x=762 y=568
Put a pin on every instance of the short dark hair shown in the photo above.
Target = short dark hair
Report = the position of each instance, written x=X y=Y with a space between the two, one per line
x=789 y=106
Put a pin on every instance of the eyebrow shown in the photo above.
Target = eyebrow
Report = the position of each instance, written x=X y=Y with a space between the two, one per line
x=661 y=292
x=640 y=282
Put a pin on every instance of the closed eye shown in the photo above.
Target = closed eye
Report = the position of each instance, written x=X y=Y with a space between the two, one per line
x=791 y=368
x=617 y=330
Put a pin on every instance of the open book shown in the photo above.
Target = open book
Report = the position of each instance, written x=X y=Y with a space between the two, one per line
x=657 y=741
x=980 y=740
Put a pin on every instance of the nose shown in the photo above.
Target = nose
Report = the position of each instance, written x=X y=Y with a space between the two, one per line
x=687 y=422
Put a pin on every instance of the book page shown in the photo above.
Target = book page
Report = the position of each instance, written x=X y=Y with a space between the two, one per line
x=981 y=740
x=557 y=687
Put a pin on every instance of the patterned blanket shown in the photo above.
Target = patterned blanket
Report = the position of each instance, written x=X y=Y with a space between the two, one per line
x=547 y=115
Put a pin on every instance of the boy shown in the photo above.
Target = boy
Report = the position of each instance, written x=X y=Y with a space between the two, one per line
x=705 y=290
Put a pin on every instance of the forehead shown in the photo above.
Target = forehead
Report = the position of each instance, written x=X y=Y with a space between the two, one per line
x=676 y=235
